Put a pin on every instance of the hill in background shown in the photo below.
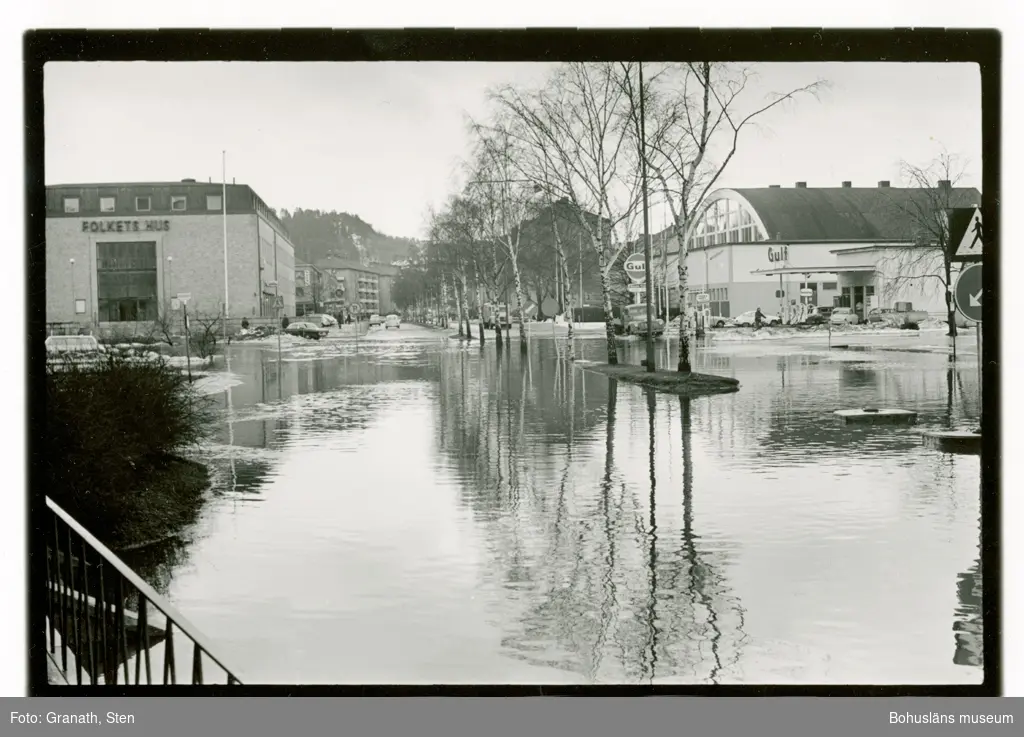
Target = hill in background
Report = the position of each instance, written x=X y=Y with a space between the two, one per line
x=318 y=234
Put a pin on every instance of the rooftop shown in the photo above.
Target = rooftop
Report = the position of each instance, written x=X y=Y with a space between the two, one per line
x=240 y=197
x=179 y=183
x=880 y=213
x=332 y=262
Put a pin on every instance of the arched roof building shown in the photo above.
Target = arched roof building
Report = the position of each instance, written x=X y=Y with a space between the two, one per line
x=758 y=247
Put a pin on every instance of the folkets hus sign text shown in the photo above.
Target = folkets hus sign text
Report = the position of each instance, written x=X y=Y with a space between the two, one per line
x=124 y=226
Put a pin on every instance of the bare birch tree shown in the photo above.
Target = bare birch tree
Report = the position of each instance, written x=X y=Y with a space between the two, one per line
x=576 y=125
x=536 y=165
x=695 y=113
x=505 y=200
x=923 y=209
x=450 y=250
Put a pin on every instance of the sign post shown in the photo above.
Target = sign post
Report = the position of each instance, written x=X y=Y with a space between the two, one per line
x=967 y=294
x=636 y=271
x=184 y=318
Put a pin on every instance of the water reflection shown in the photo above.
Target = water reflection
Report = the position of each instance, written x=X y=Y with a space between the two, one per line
x=621 y=598
x=429 y=513
x=967 y=624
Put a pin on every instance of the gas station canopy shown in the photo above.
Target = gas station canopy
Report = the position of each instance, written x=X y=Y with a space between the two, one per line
x=807 y=271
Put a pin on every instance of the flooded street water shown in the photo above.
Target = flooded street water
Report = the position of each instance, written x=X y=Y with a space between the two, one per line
x=410 y=510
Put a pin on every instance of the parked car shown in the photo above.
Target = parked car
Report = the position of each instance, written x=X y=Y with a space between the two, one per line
x=633 y=321
x=718 y=321
x=306 y=330
x=392 y=321
x=818 y=316
x=376 y=320
x=900 y=316
x=324 y=321
x=844 y=316
x=746 y=319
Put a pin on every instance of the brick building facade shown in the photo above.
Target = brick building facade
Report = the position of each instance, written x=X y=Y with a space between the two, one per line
x=368 y=285
x=117 y=253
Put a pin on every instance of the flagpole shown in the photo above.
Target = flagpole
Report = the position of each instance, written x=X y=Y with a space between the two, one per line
x=224 y=210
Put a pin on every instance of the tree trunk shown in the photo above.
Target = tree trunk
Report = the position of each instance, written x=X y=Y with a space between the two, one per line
x=609 y=316
x=458 y=306
x=950 y=307
x=494 y=296
x=520 y=305
x=443 y=307
x=463 y=285
x=570 y=352
x=479 y=302
x=684 y=337
x=498 y=339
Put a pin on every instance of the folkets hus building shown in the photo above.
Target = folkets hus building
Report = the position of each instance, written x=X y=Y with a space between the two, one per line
x=859 y=247
x=117 y=253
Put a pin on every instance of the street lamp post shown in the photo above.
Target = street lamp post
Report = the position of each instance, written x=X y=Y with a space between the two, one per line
x=170 y=277
x=224 y=221
x=647 y=235
x=74 y=299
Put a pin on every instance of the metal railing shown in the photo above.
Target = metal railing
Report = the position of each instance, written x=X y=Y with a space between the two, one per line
x=103 y=618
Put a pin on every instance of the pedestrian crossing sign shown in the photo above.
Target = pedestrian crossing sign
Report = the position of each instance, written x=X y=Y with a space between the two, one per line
x=969 y=240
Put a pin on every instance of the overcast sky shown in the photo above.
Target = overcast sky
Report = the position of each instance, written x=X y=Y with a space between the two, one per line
x=383 y=140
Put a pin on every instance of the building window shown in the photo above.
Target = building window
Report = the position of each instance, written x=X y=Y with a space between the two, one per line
x=126 y=281
x=829 y=286
x=108 y=204
x=143 y=204
x=213 y=202
x=178 y=202
x=70 y=204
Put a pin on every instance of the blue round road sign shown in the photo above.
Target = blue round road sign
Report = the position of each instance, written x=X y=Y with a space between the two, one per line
x=967 y=293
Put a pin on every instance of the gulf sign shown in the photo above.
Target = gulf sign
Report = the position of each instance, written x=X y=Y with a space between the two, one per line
x=634 y=266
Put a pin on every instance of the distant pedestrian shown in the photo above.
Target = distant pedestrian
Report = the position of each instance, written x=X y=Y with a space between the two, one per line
x=245 y=324
x=758 y=319
x=284 y=323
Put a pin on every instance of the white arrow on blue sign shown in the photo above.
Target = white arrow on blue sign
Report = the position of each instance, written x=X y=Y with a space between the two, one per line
x=967 y=293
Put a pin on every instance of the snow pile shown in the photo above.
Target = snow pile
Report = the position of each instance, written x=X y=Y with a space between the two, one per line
x=271 y=340
x=216 y=383
x=133 y=346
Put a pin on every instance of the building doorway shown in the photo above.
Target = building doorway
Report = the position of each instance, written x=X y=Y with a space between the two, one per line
x=859 y=306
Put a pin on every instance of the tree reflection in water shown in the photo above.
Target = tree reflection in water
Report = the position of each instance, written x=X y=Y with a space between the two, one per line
x=588 y=577
x=967 y=619
x=653 y=550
